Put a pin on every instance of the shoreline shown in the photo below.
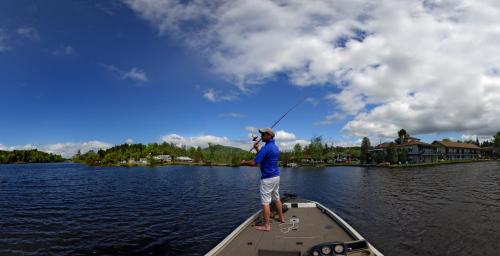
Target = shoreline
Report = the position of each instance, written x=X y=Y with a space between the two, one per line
x=391 y=166
x=400 y=166
x=388 y=166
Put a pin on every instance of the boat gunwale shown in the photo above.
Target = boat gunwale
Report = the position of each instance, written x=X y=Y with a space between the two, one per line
x=348 y=228
x=220 y=246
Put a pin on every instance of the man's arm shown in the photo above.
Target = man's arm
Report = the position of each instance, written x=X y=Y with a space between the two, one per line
x=248 y=162
x=251 y=162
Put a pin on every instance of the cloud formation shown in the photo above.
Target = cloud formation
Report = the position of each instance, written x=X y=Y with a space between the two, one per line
x=427 y=66
x=216 y=96
x=134 y=73
x=64 y=51
x=3 y=41
x=285 y=140
x=67 y=149
x=231 y=114
x=29 y=33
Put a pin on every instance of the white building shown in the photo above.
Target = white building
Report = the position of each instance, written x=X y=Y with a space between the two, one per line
x=184 y=159
x=163 y=158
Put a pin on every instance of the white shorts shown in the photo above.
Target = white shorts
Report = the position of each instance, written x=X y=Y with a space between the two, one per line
x=269 y=189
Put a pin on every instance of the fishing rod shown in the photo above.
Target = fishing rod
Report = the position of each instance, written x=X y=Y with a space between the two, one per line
x=257 y=141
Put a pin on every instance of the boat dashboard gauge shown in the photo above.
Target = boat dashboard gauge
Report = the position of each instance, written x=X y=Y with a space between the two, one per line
x=338 y=248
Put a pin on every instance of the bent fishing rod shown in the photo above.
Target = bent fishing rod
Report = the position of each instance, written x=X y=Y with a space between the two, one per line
x=257 y=141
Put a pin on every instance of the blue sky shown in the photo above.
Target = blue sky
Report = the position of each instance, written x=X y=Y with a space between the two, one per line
x=97 y=73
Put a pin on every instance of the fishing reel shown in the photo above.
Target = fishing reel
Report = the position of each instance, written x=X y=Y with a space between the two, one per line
x=255 y=140
x=254 y=137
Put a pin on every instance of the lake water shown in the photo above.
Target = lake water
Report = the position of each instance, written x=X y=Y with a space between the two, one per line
x=71 y=209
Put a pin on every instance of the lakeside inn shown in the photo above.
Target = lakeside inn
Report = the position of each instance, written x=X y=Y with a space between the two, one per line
x=420 y=152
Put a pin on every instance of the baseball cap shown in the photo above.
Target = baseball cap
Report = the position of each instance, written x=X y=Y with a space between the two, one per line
x=267 y=130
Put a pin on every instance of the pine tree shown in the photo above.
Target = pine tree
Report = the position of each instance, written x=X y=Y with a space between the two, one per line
x=365 y=146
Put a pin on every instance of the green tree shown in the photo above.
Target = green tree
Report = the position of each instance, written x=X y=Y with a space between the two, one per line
x=392 y=154
x=28 y=156
x=496 y=142
x=316 y=147
x=365 y=146
x=91 y=158
x=198 y=156
x=402 y=134
x=297 y=152
x=379 y=156
x=402 y=156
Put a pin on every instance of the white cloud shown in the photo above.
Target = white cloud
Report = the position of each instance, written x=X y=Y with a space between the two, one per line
x=312 y=100
x=29 y=33
x=197 y=141
x=108 y=7
x=231 y=114
x=210 y=95
x=284 y=136
x=3 y=41
x=335 y=116
x=134 y=73
x=250 y=128
x=216 y=96
x=288 y=145
x=427 y=66
x=285 y=140
x=64 y=51
x=67 y=149
x=473 y=137
x=129 y=141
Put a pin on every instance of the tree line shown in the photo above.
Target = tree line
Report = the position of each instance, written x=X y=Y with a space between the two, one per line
x=115 y=155
x=317 y=150
x=28 y=156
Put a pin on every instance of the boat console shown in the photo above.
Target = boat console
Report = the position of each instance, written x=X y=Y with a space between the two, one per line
x=355 y=248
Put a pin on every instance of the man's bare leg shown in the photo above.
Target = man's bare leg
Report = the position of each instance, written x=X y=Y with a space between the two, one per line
x=266 y=211
x=279 y=207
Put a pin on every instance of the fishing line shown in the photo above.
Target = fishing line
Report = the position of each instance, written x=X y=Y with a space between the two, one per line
x=285 y=227
x=283 y=116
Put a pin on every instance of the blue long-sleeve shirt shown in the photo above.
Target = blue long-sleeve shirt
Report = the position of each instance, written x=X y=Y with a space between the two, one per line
x=267 y=158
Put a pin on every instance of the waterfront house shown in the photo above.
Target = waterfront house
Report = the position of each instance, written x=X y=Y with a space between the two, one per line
x=418 y=152
x=449 y=150
x=414 y=150
x=184 y=159
x=343 y=157
x=163 y=158
x=132 y=161
x=307 y=159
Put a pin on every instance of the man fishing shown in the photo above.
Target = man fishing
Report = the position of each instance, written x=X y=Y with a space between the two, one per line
x=267 y=158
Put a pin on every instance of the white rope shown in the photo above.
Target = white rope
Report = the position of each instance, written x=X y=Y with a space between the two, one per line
x=292 y=224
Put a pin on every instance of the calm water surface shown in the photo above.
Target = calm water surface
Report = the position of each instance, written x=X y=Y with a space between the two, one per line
x=70 y=209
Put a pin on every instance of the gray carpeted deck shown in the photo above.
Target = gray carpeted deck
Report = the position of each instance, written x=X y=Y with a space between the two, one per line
x=314 y=227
